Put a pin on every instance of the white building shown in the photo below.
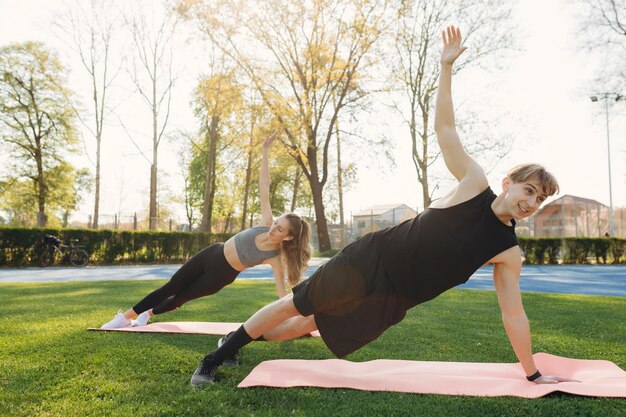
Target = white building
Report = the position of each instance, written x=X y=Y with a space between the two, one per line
x=381 y=216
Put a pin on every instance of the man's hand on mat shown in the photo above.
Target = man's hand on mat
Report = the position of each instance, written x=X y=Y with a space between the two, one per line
x=545 y=379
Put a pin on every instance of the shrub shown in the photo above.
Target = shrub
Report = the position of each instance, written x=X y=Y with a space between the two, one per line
x=23 y=246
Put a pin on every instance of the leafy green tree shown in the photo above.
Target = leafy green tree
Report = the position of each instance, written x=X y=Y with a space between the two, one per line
x=217 y=99
x=36 y=121
x=66 y=187
x=299 y=56
x=19 y=201
x=260 y=123
x=234 y=171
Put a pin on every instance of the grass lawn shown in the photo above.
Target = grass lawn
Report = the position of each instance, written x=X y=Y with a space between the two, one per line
x=51 y=366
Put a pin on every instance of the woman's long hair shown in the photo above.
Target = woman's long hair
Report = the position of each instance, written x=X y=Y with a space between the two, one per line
x=297 y=251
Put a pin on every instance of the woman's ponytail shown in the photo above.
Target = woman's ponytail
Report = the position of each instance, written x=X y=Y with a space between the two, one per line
x=297 y=251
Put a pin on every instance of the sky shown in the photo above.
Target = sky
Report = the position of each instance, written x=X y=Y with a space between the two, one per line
x=543 y=93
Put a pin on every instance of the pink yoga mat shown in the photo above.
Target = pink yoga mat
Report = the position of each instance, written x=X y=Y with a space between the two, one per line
x=185 y=327
x=598 y=378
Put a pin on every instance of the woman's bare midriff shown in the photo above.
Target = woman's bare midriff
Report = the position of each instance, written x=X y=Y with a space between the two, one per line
x=230 y=253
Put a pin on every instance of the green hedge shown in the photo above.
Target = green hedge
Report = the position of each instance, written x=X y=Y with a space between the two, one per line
x=573 y=250
x=23 y=246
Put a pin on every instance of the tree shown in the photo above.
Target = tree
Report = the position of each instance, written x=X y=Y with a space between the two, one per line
x=216 y=99
x=152 y=62
x=282 y=169
x=415 y=64
x=607 y=19
x=67 y=185
x=90 y=33
x=190 y=201
x=298 y=56
x=604 y=31
x=259 y=123
x=227 y=158
x=254 y=112
x=19 y=201
x=35 y=118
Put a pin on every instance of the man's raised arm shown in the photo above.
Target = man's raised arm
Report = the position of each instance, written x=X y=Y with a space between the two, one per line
x=459 y=163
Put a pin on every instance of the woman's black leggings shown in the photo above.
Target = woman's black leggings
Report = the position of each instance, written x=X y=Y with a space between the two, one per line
x=204 y=274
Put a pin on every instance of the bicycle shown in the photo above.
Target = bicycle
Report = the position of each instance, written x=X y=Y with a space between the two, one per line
x=54 y=246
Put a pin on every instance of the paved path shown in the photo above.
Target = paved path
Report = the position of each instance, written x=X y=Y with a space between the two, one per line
x=565 y=279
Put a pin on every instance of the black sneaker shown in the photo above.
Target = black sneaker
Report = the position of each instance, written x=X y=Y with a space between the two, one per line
x=231 y=360
x=205 y=372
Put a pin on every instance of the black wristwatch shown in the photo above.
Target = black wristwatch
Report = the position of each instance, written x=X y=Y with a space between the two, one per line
x=534 y=376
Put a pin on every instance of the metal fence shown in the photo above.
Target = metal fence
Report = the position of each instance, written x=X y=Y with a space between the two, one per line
x=126 y=222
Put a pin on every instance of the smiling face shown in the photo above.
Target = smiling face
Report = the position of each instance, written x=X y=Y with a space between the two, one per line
x=523 y=198
x=281 y=229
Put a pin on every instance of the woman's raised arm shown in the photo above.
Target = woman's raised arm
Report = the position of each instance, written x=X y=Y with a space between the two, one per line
x=264 y=183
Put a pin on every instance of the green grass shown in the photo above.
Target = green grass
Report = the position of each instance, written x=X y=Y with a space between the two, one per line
x=51 y=366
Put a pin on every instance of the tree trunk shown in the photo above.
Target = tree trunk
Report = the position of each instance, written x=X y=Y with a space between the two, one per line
x=426 y=194
x=213 y=179
x=425 y=191
x=188 y=206
x=190 y=222
x=153 y=167
x=227 y=222
x=340 y=185
x=96 y=207
x=205 y=224
x=153 y=193
x=296 y=188
x=209 y=186
x=323 y=238
x=420 y=161
x=246 y=188
x=41 y=186
x=317 y=187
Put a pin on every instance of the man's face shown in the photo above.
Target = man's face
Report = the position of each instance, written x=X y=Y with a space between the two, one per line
x=524 y=198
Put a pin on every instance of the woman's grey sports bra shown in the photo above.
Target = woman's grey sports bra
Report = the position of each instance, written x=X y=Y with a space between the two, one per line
x=248 y=253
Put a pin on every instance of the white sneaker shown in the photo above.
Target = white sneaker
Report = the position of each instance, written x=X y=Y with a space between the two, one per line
x=141 y=320
x=118 y=322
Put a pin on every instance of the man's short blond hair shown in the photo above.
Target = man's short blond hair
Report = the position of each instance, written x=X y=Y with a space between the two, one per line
x=524 y=172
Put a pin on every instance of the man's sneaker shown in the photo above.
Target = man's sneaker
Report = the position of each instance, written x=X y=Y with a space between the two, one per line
x=205 y=372
x=141 y=320
x=231 y=360
x=118 y=322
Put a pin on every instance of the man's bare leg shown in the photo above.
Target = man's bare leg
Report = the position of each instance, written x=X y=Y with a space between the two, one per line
x=270 y=316
x=292 y=328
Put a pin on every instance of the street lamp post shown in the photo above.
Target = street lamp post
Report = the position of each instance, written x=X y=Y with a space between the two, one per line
x=606 y=97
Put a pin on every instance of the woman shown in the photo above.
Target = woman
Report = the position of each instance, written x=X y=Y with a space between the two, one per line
x=278 y=243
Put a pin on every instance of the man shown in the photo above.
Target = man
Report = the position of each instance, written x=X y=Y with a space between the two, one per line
x=372 y=282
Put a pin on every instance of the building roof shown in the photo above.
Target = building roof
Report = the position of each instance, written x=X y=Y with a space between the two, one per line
x=379 y=209
x=576 y=200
